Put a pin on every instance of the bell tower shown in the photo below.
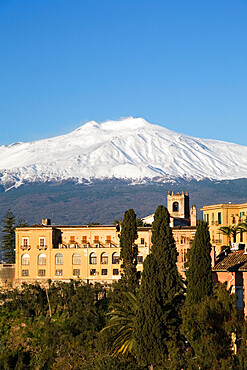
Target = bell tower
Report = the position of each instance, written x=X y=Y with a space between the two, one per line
x=178 y=204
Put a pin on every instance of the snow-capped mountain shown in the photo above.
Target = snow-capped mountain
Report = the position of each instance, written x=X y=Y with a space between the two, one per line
x=131 y=148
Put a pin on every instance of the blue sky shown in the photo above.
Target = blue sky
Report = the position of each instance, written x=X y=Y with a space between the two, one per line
x=178 y=63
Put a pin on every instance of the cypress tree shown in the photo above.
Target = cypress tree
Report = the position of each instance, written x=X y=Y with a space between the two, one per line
x=8 y=238
x=157 y=321
x=22 y=223
x=128 y=250
x=200 y=284
x=204 y=314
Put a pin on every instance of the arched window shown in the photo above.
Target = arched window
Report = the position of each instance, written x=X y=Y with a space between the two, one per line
x=104 y=258
x=175 y=207
x=42 y=259
x=140 y=258
x=76 y=259
x=115 y=258
x=25 y=259
x=93 y=258
x=59 y=259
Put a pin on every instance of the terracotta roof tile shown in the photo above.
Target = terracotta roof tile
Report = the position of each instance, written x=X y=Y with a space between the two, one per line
x=233 y=261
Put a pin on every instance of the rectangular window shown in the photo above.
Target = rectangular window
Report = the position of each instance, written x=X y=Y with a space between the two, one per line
x=93 y=272
x=139 y=259
x=219 y=218
x=25 y=273
x=72 y=239
x=219 y=237
x=41 y=242
x=84 y=239
x=96 y=238
x=212 y=218
x=76 y=272
x=59 y=272
x=142 y=241
x=108 y=238
x=115 y=272
x=25 y=242
x=206 y=218
x=104 y=272
x=41 y=272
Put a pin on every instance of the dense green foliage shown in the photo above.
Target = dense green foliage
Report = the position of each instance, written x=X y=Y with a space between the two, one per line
x=129 y=250
x=209 y=315
x=230 y=232
x=208 y=326
x=121 y=325
x=128 y=326
x=8 y=238
x=66 y=337
x=199 y=275
x=157 y=322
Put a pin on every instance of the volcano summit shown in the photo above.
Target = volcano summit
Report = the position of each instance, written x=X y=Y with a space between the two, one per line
x=131 y=148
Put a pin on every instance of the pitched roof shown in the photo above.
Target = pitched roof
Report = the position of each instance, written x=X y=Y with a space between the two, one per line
x=236 y=261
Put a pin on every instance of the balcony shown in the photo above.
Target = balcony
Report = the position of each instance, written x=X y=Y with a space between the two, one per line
x=25 y=247
x=42 y=247
x=217 y=241
x=73 y=245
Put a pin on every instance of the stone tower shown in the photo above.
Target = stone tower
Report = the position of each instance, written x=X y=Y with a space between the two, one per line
x=178 y=204
x=193 y=215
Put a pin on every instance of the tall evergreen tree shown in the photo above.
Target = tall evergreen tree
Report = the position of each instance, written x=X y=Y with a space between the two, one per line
x=200 y=284
x=207 y=314
x=208 y=326
x=22 y=223
x=157 y=321
x=8 y=237
x=128 y=250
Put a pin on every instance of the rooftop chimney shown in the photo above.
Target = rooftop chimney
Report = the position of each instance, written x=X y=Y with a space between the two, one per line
x=46 y=221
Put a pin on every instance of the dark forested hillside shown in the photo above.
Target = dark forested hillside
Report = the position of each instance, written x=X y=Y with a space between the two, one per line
x=70 y=203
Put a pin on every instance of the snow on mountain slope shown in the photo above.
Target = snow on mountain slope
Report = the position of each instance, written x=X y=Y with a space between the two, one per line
x=131 y=148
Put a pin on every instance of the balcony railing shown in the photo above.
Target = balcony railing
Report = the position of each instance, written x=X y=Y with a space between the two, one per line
x=42 y=247
x=25 y=247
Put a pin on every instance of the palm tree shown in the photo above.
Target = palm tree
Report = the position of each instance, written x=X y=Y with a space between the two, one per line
x=121 y=324
x=230 y=232
x=118 y=223
x=243 y=226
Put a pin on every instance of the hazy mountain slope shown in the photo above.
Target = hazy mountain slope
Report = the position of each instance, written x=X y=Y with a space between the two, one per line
x=71 y=203
x=130 y=148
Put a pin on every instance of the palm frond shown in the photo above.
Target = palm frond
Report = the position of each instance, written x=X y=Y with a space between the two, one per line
x=120 y=325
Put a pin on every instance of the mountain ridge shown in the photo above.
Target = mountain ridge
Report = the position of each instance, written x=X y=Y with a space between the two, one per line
x=130 y=148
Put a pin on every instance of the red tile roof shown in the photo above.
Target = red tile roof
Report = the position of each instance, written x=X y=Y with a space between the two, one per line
x=236 y=261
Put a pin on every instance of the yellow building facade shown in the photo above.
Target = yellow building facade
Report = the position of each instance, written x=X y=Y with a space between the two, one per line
x=71 y=252
x=219 y=215
x=92 y=253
